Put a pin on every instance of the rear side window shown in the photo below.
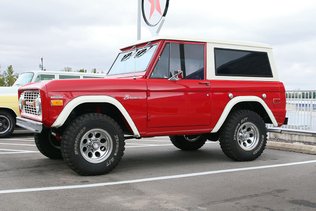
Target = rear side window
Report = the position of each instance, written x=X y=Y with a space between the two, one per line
x=229 y=62
x=68 y=76
x=44 y=77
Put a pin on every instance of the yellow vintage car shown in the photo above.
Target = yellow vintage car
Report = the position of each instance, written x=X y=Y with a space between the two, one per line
x=8 y=112
x=9 y=108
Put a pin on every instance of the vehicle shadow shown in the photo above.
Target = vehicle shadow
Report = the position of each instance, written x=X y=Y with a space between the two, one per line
x=170 y=158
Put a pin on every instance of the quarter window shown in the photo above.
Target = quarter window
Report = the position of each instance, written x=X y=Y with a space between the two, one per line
x=231 y=62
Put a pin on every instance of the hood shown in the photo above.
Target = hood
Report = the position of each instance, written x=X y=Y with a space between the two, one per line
x=94 y=85
x=11 y=90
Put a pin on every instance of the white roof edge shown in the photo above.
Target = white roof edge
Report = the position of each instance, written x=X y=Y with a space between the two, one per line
x=228 y=42
x=60 y=72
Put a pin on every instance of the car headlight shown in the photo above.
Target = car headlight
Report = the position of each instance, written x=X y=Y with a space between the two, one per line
x=38 y=106
x=21 y=102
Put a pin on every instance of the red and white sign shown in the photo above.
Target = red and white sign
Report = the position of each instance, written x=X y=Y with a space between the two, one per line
x=154 y=11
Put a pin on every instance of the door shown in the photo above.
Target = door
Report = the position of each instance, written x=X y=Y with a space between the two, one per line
x=179 y=101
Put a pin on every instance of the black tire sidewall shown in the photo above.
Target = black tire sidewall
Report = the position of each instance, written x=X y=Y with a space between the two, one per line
x=183 y=144
x=71 y=145
x=12 y=123
x=229 y=140
x=43 y=142
x=262 y=137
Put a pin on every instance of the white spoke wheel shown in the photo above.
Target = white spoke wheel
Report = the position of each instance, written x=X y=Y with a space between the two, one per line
x=248 y=136
x=92 y=144
x=243 y=136
x=96 y=145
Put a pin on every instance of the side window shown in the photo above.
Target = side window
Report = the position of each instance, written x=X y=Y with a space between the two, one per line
x=44 y=77
x=162 y=67
x=229 y=62
x=68 y=76
x=186 y=57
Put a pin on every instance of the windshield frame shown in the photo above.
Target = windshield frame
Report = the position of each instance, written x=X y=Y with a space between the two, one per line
x=135 y=53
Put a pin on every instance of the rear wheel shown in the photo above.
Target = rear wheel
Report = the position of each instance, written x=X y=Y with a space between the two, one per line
x=47 y=144
x=93 y=144
x=188 y=142
x=7 y=124
x=243 y=136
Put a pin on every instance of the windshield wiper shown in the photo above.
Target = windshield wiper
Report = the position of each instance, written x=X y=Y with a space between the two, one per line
x=126 y=56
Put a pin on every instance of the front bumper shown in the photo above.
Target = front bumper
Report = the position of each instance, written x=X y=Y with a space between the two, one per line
x=28 y=124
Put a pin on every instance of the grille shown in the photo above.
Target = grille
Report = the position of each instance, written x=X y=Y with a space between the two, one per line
x=29 y=102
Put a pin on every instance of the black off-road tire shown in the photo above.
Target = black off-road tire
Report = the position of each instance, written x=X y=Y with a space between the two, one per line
x=188 y=142
x=243 y=136
x=47 y=144
x=93 y=144
x=7 y=124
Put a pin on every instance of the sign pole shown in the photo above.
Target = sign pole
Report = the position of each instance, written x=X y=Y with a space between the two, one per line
x=139 y=20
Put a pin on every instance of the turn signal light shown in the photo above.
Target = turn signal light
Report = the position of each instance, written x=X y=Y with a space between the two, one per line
x=56 y=102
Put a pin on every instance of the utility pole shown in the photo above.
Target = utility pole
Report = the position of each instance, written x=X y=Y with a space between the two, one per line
x=139 y=20
x=41 y=65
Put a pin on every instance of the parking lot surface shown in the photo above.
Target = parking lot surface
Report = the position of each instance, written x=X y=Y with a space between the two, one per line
x=154 y=175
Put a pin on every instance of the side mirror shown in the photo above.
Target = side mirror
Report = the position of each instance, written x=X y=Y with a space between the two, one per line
x=177 y=75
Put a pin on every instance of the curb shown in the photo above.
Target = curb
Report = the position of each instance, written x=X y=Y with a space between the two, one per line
x=292 y=147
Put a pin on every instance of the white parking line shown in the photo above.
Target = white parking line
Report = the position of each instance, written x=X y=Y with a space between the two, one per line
x=13 y=144
x=14 y=151
x=18 y=139
x=153 y=179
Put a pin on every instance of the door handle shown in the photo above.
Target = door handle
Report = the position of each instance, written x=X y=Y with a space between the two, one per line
x=206 y=83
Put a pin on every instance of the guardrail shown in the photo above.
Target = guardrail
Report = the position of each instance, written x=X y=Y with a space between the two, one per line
x=301 y=111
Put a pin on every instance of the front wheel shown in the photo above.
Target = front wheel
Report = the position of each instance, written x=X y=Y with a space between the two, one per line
x=93 y=144
x=188 y=142
x=243 y=136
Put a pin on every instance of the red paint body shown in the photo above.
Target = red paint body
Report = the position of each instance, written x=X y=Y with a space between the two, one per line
x=160 y=106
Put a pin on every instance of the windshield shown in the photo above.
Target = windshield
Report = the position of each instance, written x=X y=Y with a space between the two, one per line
x=23 y=79
x=135 y=60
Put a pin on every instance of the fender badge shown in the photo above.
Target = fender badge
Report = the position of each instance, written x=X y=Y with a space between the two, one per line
x=128 y=97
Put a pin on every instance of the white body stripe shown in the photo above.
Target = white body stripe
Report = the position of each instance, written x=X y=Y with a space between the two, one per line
x=94 y=99
x=236 y=100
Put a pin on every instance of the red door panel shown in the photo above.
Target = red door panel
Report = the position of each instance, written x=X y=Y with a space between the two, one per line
x=181 y=103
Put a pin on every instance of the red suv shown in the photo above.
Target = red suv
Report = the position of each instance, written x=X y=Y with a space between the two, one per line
x=190 y=90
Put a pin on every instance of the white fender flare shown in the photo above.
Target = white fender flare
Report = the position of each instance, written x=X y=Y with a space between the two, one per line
x=240 y=99
x=94 y=99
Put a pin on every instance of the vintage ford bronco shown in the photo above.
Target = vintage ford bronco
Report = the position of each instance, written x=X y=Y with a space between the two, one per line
x=190 y=90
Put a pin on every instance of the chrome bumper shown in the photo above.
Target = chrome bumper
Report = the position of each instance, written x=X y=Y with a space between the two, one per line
x=28 y=124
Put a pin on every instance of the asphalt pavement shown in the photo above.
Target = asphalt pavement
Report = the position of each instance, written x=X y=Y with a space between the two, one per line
x=154 y=175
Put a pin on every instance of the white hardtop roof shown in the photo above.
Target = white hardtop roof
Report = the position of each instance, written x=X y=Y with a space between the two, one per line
x=232 y=43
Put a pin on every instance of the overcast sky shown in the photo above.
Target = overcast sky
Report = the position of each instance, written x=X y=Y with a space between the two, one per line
x=88 y=34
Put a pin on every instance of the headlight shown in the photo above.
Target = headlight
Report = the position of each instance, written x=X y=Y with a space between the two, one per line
x=21 y=102
x=38 y=105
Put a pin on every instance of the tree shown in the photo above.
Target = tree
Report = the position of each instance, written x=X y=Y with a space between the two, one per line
x=2 y=83
x=68 y=69
x=94 y=70
x=82 y=70
x=9 y=77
